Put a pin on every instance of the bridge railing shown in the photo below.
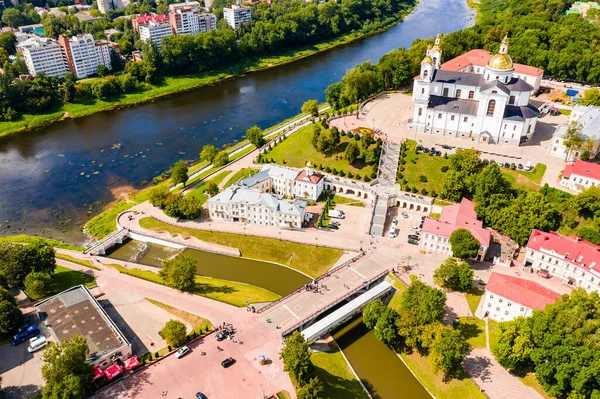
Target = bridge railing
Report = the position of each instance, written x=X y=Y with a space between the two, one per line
x=332 y=304
x=106 y=239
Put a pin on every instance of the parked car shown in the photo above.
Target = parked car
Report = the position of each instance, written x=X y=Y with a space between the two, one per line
x=413 y=236
x=36 y=343
x=405 y=215
x=181 y=352
x=394 y=222
x=492 y=161
x=419 y=147
x=335 y=222
x=446 y=146
x=423 y=217
x=438 y=153
x=433 y=150
x=520 y=166
x=227 y=362
x=334 y=213
x=221 y=335
x=544 y=274
x=392 y=233
x=413 y=242
x=528 y=166
x=414 y=228
x=333 y=226
x=200 y=395
x=25 y=333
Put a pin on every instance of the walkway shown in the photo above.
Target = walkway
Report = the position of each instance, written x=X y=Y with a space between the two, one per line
x=388 y=163
x=379 y=216
x=456 y=306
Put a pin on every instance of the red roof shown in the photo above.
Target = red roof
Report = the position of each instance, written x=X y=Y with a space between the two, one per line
x=583 y=169
x=144 y=19
x=460 y=216
x=479 y=57
x=524 y=292
x=113 y=371
x=305 y=177
x=574 y=250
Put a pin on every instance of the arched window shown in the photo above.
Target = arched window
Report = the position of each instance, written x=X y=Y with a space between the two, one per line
x=445 y=93
x=425 y=72
x=423 y=90
x=491 y=107
x=511 y=100
x=471 y=95
x=458 y=93
x=434 y=61
x=420 y=111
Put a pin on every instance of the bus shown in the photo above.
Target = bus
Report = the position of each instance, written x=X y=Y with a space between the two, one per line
x=25 y=334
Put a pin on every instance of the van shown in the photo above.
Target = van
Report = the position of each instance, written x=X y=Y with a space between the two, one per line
x=25 y=334
x=334 y=213
x=528 y=166
x=37 y=343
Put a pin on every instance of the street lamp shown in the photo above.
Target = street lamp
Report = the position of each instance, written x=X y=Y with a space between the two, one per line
x=210 y=227
x=280 y=236
x=317 y=241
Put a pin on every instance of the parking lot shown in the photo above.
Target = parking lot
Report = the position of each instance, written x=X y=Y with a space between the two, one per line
x=404 y=223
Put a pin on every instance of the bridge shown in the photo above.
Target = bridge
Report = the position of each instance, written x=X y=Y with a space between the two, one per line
x=113 y=238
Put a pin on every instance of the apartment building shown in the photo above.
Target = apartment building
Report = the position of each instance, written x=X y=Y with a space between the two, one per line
x=84 y=55
x=43 y=55
x=236 y=15
x=581 y=175
x=207 y=22
x=105 y=6
x=251 y=205
x=586 y=118
x=574 y=261
x=184 y=18
x=508 y=297
x=155 y=31
x=144 y=20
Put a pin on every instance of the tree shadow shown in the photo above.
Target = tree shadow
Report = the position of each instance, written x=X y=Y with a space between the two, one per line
x=202 y=288
x=469 y=330
x=478 y=367
x=18 y=392
x=137 y=345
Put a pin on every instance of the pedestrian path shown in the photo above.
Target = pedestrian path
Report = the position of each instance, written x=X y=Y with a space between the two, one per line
x=378 y=222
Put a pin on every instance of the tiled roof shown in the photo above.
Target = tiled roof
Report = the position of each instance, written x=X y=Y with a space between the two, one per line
x=583 y=169
x=460 y=216
x=305 y=177
x=144 y=19
x=480 y=58
x=524 y=292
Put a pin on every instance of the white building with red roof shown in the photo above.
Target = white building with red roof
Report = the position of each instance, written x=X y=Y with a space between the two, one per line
x=574 y=261
x=145 y=20
x=581 y=175
x=435 y=234
x=477 y=95
x=308 y=184
x=507 y=297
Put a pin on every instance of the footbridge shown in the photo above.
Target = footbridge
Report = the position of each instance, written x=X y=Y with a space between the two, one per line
x=113 y=238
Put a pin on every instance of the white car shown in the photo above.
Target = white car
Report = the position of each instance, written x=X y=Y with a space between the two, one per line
x=394 y=222
x=392 y=233
x=415 y=228
x=184 y=350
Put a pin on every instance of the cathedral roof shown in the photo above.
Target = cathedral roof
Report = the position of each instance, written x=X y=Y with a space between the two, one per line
x=460 y=78
x=496 y=84
x=480 y=58
x=517 y=84
x=501 y=61
x=454 y=105
x=516 y=113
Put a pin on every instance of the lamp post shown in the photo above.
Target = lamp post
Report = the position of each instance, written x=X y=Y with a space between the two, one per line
x=316 y=241
x=210 y=227
x=280 y=236
x=244 y=231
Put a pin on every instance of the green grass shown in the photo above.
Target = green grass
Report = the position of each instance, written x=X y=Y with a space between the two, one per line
x=333 y=370
x=199 y=324
x=338 y=200
x=85 y=263
x=400 y=288
x=63 y=279
x=473 y=298
x=526 y=180
x=241 y=174
x=530 y=379
x=25 y=239
x=297 y=150
x=105 y=223
x=284 y=395
x=308 y=259
x=230 y=292
x=493 y=331
x=473 y=329
x=198 y=192
x=422 y=164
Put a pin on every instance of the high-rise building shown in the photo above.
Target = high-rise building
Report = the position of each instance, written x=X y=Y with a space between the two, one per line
x=236 y=15
x=207 y=22
x=155 y=32
x=83 y=54
x=184 y=18
x=144 y=20
x=43 y=55
x=109 y=5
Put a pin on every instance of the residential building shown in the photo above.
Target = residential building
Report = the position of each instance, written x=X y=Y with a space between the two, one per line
x=105 y=6
x=581 y=175
x=84 y=55
x=574 y=261
x=207 y=22
x=144 y=20
x=184 y=18
x=476 y=96
x=508 y=297
x=435 y=234
x=585 y=118
x=582 y=8
x=236 y=15
x=76 y=312
x=155 y=31
x=308 y=184
x=43 y=55
x=251 y=205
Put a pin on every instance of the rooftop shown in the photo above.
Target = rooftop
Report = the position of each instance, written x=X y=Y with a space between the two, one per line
x=144 y=19
x=236 y=194
x=480 y=58
x=280 y=171
x=460 y=216
x=524 y=292
x=313 y=178
x=584 y=169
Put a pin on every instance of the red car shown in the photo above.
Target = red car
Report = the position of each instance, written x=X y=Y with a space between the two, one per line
x=544 y=274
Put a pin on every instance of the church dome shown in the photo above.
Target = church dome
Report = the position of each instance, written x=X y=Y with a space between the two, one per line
x=501 y=61
x=427 y=60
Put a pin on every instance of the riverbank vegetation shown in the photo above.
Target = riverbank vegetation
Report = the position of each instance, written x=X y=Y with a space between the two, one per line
x=61 y=279
x=311 y=260
x=338 y=380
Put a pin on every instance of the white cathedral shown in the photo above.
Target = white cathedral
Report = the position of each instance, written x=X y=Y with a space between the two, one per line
x=476 y=95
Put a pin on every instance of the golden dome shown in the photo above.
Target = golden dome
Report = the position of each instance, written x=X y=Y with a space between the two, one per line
x=501 y=61
x=427 y=60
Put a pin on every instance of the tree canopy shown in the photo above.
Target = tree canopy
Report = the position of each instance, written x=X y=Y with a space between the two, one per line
x=18 y=260
x=174 y=332
x=179 y=173
x=454 y=275
x=255 y=136
x=296 y=358
x=463 y=244
x=179 y=272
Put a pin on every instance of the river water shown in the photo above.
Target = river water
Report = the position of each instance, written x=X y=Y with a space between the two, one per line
x=55 y=178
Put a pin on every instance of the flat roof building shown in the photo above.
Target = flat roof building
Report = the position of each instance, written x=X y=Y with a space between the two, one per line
x=236 y=15
x=43 y=55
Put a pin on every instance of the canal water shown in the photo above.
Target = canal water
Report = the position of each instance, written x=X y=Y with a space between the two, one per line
x=273 y=277
x=378 y=367
x=55 y=178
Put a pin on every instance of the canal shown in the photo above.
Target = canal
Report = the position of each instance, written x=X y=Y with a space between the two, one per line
x=55 y=178
x=271 y=276
x=378 y=367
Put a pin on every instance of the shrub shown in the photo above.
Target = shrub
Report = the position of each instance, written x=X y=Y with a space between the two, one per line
x=374 y=174
x=367 y=179
x=445 y=155
x=350 y=175
x=169 y=348
x=402 y=162
x=174 y=332
x=320 y=167
x=404 y=181
x=513 y=166
x=423 y=191
x=445 y=168
x=399 y=176
x=358 y=176
x=328 y=169
x=342 y=133
x=402 y=169
x=434 y=194
x=415 y=190
x=342 y=173
x=350 y=135
x=407 y=188
x=423 y=178
x=485 y=162
x=156 y=355
x=335 y=171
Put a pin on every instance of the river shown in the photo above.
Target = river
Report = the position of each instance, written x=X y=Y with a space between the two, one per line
x=55 y=178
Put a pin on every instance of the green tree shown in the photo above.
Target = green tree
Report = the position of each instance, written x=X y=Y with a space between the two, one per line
x=463 y=244
x=208 y=153
x=11 y=317
x=489 y=182
x=8 y=42
x=573 y=138
x=17 y=261
x=316 y=130
x=311 y=107
x=366 y=140
x=454 y=275
x=296 y=359
x=37 y=284
x=221 y=159
x=102 y=70
x=211 y=189
x=179 y=173
x=325 y=142
x=351 y=152
x=372 y=312
x=159 y=195
x=428 y=303
x=179 y=272
x=314 y=389
x=591 y=96
x=174 y=332
x=255 y=136
x=66 y=371
x=386 y=329
x=12 y=17
x=69 y=91
x=448 y=352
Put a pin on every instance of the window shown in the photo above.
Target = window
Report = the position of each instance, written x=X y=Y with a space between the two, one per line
x=445 y=93
x=471 y=94
x=439 y=116
x=434 y=60
x=529 y=129
x=522 y=309
x=509 y=304
x=458 y=92
x=420 y=111
x=452 y=118
x=505 y=125
x=495 y=91
x=491 y=107
x=465 y=119
x=425 y=72
x=500 y=300
x=511 y=100
x=506 y=313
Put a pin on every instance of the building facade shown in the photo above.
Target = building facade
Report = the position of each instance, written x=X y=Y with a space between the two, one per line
x=586 y=119
x=572 y=260
x=462 y=98
x=207 y=22
x=308 y=184
x=435 y=234
x=144 y=20
x=236 y=15
x=43 y=55
x=105 y=6
x=84 y=55
x=581 y=175
x=251 y=205
x=508 y=297
x=155 y=32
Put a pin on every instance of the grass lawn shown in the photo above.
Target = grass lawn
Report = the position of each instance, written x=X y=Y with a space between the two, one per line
x=473 y=329
x=225 y=291
x=339 y=200
x=284 y=395
x=308 y=259
x=24 y=239
x=297 y=150
x=63 y=279
x=493 y=331
x=105 y=223
x=530 y=380
x=198 y=192
x=420 y=164
x=400 y=288
x=339 y=381
x=473 y=298
x=526 y=180
x=241 y=174
x=85 y=263
x=199 y=324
